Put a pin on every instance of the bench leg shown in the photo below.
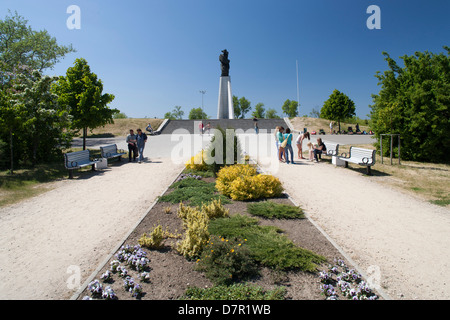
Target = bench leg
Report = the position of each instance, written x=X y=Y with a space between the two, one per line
x=93 y=167
x=369 y=171
x=345 y=164
x=70 y=174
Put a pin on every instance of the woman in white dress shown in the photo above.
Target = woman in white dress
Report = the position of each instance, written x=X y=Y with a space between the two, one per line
x=299 y=141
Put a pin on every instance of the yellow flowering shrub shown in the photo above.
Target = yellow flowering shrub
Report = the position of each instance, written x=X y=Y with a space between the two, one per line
x=255 y=187
x=197 y=162
x=228 y=174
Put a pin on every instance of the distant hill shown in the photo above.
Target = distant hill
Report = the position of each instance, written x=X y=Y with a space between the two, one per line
x=121 y=127
x=315 y=124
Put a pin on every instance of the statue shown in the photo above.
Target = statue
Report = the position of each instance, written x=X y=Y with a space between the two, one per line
x=223 y=58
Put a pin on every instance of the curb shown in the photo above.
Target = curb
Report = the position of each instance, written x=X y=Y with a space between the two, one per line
x=77 y=294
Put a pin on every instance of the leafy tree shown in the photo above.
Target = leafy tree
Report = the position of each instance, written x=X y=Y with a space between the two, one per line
x=176 y=114
x=241 y=107
x=338 y=107
x=414 y=102
x=290 y=108
x=197 y=114
x=272 y=114
x=120 y=115
x=42 y=118
x=21 y=45
x=81 y=92
x=259 y=111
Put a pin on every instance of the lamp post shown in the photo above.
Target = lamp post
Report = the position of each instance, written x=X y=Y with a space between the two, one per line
x=203 y=93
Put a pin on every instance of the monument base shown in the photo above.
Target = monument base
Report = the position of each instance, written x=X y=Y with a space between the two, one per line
x=225 y=108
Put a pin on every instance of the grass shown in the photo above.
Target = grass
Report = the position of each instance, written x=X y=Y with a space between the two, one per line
x=29 y=182
x=193 y=192
x=121 y=127
x=267 y=245
x=272 y=210
x=234 y=292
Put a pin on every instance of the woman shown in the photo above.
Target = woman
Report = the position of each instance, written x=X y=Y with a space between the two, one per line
x=280 y=139
x=288 y=149
x=300 y=142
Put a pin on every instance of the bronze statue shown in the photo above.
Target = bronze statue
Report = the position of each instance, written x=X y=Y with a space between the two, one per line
x=225 y=63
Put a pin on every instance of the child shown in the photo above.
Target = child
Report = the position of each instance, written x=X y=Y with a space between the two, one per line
x=311 y=151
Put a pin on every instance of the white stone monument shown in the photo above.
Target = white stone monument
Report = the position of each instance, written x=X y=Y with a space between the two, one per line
x=225 y=108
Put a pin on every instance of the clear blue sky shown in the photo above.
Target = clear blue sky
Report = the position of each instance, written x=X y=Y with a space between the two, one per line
x=157 y=54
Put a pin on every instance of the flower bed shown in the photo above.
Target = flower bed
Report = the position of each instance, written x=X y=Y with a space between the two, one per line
x=181 y=252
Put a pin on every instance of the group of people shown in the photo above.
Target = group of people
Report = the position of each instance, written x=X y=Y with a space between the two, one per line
x=136 y=144
x=202 y=128
x=283 y=139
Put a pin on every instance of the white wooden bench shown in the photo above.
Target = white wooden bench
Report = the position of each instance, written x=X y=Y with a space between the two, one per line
x=362 y=157
x=111 y=151
x=77 y=160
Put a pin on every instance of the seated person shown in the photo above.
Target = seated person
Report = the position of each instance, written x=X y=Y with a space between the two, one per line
x=149 y=128
x=319 y=149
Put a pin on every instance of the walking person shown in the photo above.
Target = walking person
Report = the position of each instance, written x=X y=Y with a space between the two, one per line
x=288 y=149
x=331 y=127
x=299 y=142
x=141 y=139
x=132 y=146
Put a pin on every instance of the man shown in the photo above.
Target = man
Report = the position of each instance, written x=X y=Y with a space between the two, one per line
x=141 y=139
x=132 y=146
x=149 y=128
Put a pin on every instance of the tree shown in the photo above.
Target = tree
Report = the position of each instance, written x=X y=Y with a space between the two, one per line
x=338 y=107
x=176 y=114
x=42 y=117
x=81 y=92
x=197 y=114
x=414 y=102
x=290 y=108
x=245 y=106
x=236 y=107
x=21 y=45
x=272 y=114
x=259 y=111
x=120 y=115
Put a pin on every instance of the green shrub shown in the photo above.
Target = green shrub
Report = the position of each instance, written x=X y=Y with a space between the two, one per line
x=234 y=292
x=225 y=261
x=266 y=243
x=270 y=210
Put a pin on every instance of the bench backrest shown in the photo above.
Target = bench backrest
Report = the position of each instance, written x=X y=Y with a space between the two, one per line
x=74 y=159
x=365 y=156
x=332 y=148
x=108 y=150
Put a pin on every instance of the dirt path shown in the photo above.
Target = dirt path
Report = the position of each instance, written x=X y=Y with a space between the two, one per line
x=54 y=241
x=396 y=239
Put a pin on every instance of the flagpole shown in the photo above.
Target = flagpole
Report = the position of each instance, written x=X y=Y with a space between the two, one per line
x=298 y=97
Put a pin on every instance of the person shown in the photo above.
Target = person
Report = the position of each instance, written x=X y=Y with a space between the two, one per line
x=299 y=141
x=331 y=127
x=141 y=139
x=319 y=149
x=280 y=138
x=310 y=151
x=149 y=128
x=256 y=127
x=288 y=149
x=208 y=127
x=200 y=127
x=132 y=147
x=357 y=128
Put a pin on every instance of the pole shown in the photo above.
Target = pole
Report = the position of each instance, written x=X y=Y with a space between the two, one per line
x=298 y=97
x=202 y=92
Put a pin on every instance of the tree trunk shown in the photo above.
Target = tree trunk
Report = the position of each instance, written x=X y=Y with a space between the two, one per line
x=12 y=149
x=84 y=138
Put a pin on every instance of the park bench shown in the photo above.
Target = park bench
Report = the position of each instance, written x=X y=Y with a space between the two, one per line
x=111 y=151
x=332 y=149
x=362 y=157
x=77 y=160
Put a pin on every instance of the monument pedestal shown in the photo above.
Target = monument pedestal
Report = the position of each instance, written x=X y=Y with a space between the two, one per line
x=225 y=108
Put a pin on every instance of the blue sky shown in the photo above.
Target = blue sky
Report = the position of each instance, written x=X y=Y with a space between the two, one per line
x=157 y=54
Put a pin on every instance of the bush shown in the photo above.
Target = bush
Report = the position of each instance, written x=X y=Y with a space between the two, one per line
x=195 y=223
x=234 y=292
x=255 y=187
x=154 y=241
x=228 y=174
x=270 y=210
x=225 y=261
x=197 y=162
x=215 y=209
x=267 y=246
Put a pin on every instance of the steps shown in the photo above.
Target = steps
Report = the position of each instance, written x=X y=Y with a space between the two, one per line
x=245 y=124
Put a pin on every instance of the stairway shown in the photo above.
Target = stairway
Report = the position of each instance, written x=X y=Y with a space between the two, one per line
x=245 y=124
